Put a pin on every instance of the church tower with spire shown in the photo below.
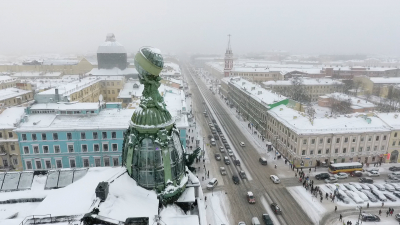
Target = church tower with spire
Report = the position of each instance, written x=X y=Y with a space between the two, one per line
x=228 y=58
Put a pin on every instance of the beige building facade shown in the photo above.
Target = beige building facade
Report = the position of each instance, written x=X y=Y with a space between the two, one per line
x=14 y=96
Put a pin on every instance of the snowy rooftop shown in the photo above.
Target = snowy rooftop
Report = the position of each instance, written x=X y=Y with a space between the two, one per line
x=170 y=69
x=300 y=123
x=254 y=90
x=45 y=83
x=106 y=119
x=67 y=106
x=112 y=72
x=176 y=103
x=6 y=79
x=362 y=68
x=10 y=117
x=174 y=80
x=392 y=119
x=362 y=103
x=61 y=62
x=73 y=86
x=37 y=74
x=306 y=81
x=129 y=89
x=111 y=45
x=385 y=80
x=11 y=93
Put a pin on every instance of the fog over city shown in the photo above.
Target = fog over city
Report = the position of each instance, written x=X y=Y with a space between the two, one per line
x=311 y=27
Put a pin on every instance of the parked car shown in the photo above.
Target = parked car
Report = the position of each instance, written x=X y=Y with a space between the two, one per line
x=341 y=175
x=356 y=174
x=221 y=149
x=365 y=180
x=216 y=137
x=397 y=217
x=372 y=169
x=394 y=168
x=331 y=187
x=263 y=161
x=396 y=193
x=217 y=156
x=354 y=197
x=212 y=183
x=397 y=174
x=322 y=176
x=362 y=195
x=343 y=197
x=365 y=187
x=370 y=217
x=379 y=195
x=230 y=152
x=396 y=186
x=356 y=185
x=250 y=197
x=235 y=179
x=350 y=187
x=267 y=219
x=275 y=179
x=371 y=197
x=380 y=187
x=331 y=180
x=389 y=187
x=276 y=209
x=227 y=146
x=373 y=174
x=242 y=144
x=371 y=186
x=390 y=197
x=255 y=221
x=242 y=174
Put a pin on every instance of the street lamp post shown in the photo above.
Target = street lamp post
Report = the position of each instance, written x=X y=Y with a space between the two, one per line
x=359 y=215
x=203 y=147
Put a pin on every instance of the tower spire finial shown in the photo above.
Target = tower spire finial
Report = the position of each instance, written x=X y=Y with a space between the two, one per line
x=229 y=42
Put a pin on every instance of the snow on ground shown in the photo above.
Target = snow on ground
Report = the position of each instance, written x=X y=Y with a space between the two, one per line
x=37 y=190
x=310 y=205
x=269 y=210
x=19 y=210
x=384 y=221
x=217 y=210
x=174 y=215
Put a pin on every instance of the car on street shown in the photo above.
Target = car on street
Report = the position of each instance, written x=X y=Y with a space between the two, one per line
x=212 y=183
x=372 y=169
x=276 y=209
x=397 y=174
x=222 y=170
x=275 y=179
x=242 y=144
x=390 y=197
x=322 y=176
x=227 y=146
x=242 y=174
x=397 y=216
x=241 y=223
x=366 y=180
x=331 y=180
x=370 y=217
x=217 y=156
x=341 y=175
x=356 y=174
x=236 y=162
x=250 y=197
x=393 y=177
x=221 y=149
x=263 y=161
x=267 y=219
x=235 y=179
x=230 y=152
x=394 y=168
x=255 y=221
x=226 y=160
x=373 y=174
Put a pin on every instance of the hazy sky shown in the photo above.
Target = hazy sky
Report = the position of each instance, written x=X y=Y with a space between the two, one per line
x=201 y=26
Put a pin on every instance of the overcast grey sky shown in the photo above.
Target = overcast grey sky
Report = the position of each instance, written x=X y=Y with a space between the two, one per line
x=176 y=26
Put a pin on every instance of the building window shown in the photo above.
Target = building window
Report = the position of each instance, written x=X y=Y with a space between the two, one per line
x=10 y=134
x=354 y=140
x=312 y=141
x=83 y=135
x=311 y=152
x=84 y=148
x=12 y=147
x=327 y=151
x=48 y=164
x=56 y=148
x=304 y=141
x=115 y=147
x=343 y=160
x=26 y=149
x=382 y=147
x=377 y=138
x=69 y=136
x=43 y=137
x=105 y=147
x=72 y=163
x=36 y=149
x=59 y=164
x=373 y=159
x=360 y=149
x=95 y=135
x=368 y=148
x=70 y=148
x=85 y=162
x=328 y=140
x=115 y=162
x=113 y=135
x=384 y=137
x=1 y=135
x=394 y=143
x=395 y=134
x=55 y=136
x=369 y=138
x=96 y=147
x=97 y=162
x=346 y=140
x=375 y=148
x=337 y=140
x=352 y=149
x=45 y=149
x=303 y=152
x=336 y=150
x=34 y=137
x=28 y=165
x=5 y=162
x=15 y=161
x=321 y=140
x=362 y=139
x=38 y=164
x=106 y=161
x=23 y=137
x=344 y=150
x=104 y=135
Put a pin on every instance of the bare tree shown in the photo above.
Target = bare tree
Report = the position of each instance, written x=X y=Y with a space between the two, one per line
x=297 y=90
x=310 y=112
x=367 y=95
x=340 y=105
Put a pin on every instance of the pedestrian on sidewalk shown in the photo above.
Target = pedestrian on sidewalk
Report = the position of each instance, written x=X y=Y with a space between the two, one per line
x=368 y=205
x=387 y=213
x=335 y=208
x=340 y=217
x=380 y=212
x=383 y=204
x=205 y=198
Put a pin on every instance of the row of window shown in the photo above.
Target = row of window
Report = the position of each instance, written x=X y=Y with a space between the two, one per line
x=344 y=150
x=70 y=147
x=3 y=149
x=72 y=163
x=69 y=136
x=14 y=162
x=10 y=135
x=345 y=140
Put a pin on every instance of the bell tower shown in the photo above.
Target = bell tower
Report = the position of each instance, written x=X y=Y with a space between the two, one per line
x=228 y=58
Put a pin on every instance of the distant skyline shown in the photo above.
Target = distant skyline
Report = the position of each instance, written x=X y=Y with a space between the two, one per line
x=189 y=27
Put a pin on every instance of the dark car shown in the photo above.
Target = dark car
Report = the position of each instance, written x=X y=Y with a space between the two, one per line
x=390 y=197
x=397 y=194
x=267 y=219
x=322 y=176
x=366 y=180
x=394 y=168
x=216 y=137
x=235 y=179
x=236 y=162
x=242 y=174
x=276 y=208
x=227 y=146
x=356 y=174
x=370 y=217
x=398 y=217
x=217 y=157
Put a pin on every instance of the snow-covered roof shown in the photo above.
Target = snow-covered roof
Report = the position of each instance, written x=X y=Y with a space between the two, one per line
x=391 y=119
x=10 y=117
x=176 y=104
x=130 y=91
x=11 y=93
x=72 y=87
x=254 y=90
x=37 y=74
x=107 y=119
x=7 y=79
x=385 y=80
x=188 y=195
x=111 y=45
x=356 y=102
x=67 y=106
x=113 y=72
x=170 y=68
x=61 y=62
x=299 y=122
x=306 y=81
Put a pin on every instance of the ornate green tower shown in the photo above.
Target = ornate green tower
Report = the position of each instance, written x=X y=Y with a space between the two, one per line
x=152 y=151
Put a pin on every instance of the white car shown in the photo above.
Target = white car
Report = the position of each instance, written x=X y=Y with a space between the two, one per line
x=350 y=187
x=331 y=180
x=213 y=182
x=371 y=186
x=362 y=196
x=389 y=187
x=275 y=179
x=356 y=185
x=242 y=144
x=365 y=187
x=341 y=175
x=230 y=152
x=380 y=187
x=373 y=174
x=354 y=196
x=331 y=187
